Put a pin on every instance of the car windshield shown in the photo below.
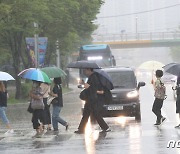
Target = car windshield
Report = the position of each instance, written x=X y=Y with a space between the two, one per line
x=123 y=79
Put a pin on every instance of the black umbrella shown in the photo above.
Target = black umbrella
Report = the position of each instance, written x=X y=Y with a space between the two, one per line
x=172 y=68
x=105 y=79
x=83 y=64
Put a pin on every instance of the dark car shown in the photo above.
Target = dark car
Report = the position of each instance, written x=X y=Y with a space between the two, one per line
x=125 y=93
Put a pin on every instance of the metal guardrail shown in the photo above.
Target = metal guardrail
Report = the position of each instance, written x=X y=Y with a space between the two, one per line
x=137 y=37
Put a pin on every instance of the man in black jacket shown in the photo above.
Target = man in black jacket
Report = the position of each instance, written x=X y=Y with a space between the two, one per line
x=94 y=102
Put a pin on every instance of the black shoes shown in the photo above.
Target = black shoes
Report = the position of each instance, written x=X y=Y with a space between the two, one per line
x=163 y=119
x=106 y=130
x=79 y=132
x=67 y=127
x=178 y=126
x=160 y=122
x=157 y=124
x=82 y=132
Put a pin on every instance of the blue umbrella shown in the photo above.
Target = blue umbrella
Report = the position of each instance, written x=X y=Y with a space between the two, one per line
x=34 y=74
x=104 y=78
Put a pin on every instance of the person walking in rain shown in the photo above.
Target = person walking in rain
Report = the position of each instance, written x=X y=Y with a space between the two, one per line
x=3 y=106
x=57 y=104
x=178 y=98
x=36 y=94
x=94 y=102
x=159 y=97
x=47 y=115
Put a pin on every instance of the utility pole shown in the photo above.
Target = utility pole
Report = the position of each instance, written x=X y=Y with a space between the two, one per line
x=58 y=58
x=136 y=27
x=36 y=46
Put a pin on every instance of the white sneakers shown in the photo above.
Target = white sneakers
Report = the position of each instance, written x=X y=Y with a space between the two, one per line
x=9 y=132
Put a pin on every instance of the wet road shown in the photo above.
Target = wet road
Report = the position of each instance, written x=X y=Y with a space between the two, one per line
x=127 y=136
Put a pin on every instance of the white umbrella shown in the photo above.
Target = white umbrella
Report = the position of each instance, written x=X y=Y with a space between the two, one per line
x=5 y=76
x=151 y=65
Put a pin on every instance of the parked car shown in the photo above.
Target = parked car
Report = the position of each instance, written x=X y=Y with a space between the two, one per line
x=125 y=93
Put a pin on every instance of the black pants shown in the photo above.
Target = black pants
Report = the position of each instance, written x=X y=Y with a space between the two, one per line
x=158 y=103
x=37 y=117
x=47 y=114
x=88 y=110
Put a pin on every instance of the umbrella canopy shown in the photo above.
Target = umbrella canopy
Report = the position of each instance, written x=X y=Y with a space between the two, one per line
x=172 y=68
x=83 y=64
x=105 y=79
x=53 y=72
x=151 y=65
x=34 y=74
x=5 y=76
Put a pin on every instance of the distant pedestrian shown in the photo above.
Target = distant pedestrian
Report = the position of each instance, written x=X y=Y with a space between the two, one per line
x=159 y=89
x=178 y=98
x=47 y=115
x=36 y=95
x=67 y=77
x=3 y=106
x=57 y=104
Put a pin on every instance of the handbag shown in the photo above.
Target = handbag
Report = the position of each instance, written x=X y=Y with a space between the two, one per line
x=29 y=109
x=37 y=104
x=83 y=94
x=50 y=99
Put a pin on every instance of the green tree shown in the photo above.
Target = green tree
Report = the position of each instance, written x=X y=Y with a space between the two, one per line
x=69 y=21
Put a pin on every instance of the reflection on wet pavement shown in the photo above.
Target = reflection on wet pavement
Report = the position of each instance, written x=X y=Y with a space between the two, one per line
x=127 y=135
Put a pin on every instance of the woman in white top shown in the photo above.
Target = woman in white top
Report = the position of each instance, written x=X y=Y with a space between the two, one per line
x=47 y=115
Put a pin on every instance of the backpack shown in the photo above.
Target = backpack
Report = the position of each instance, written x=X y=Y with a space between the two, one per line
x=160 y=92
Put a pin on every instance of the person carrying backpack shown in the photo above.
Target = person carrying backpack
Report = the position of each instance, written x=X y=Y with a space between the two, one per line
x=160 y=95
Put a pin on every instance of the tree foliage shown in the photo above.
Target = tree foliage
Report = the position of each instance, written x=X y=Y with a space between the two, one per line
x=69 y=21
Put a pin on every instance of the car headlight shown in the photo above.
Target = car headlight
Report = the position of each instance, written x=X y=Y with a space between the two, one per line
x=132 y=94
x=114 y=95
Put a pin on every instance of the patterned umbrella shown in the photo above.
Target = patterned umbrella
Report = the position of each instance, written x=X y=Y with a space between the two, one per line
x=34 y=74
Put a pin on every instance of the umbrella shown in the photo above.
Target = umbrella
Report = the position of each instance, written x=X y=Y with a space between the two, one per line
x=35 y=74
x=105 y=79
x=53 y=72
x=172 y=68
x=5 y=76
x=151 y=65
x=83 y=64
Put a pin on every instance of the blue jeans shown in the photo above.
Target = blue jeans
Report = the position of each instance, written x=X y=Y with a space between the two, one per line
x=56 y=118
x=3 y=115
